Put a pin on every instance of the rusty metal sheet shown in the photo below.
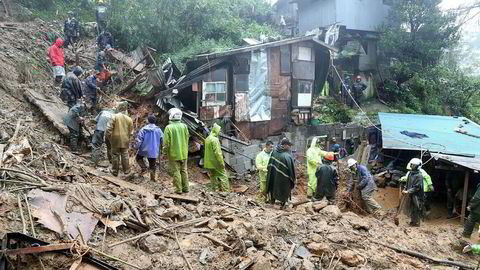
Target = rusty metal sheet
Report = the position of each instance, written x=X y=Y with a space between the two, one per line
x=215 y=112
x=49 y=209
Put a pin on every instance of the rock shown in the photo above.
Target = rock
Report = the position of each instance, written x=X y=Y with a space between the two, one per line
x=251 y=250
x=309 y=209
x=249 y=227
x=168 y=203
x=351 y=258
x=315 y=237
x=317 y=206
x=212 y=224
x=319 y=248
x=302 y=252
x=252 y=213
x=292 y=263
x=222 y=224
x=248 y=243
x=171 y=212
x=200 y=209
x=331 y=211
x=307 y=265
x=262 y=264
x=357 y=222
x=205 y=255
x=149 y=202
x=189 y=207
x=153 y=244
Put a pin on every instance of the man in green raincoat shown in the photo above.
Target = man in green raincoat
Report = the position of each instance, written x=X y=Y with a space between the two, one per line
x=213 y=161
x=261 y=162
x=176 y=147
x=315 y=155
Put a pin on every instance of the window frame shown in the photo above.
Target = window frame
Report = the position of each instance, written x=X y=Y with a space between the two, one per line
x=216 y=102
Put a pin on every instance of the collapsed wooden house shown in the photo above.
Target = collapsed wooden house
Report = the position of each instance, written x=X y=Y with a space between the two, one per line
x=259 y=88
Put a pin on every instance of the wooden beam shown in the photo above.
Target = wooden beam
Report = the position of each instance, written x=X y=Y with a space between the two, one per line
x=464 y=199
x=448 y=168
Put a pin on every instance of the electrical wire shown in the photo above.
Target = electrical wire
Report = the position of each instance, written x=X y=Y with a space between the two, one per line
x=420 y=147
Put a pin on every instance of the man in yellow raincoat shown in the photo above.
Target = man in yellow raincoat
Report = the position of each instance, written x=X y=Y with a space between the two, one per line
x=314 y=160
x=261 y=162
x=213 y=161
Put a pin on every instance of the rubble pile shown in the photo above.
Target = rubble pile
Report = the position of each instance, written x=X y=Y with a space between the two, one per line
x=53 y=198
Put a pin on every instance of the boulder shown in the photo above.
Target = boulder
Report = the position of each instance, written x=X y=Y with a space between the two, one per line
x=319 y=248
x=153 y=244
x=318 y=206
x=351 y=258
x=332 y=211
x=262 y=264
x=307 y=265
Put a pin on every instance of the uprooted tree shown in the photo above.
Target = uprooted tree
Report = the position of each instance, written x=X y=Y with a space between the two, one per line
x=421 y=77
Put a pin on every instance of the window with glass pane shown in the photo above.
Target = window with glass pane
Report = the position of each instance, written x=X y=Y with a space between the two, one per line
x=304 y=87
x=304 y=53
x=214 y=93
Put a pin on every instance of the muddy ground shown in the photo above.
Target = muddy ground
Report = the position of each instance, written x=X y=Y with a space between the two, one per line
x=245 y=233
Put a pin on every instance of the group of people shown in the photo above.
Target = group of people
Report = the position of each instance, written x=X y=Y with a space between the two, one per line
x=276 y=170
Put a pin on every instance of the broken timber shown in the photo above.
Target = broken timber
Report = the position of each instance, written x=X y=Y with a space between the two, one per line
x=52 y=107
x=39 y=249
x=126 y=59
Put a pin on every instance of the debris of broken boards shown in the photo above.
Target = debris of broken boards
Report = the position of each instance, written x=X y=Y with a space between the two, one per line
x=119 y=56
x=52 y=107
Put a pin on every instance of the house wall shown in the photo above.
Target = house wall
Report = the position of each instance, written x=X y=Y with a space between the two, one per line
x=365 y=15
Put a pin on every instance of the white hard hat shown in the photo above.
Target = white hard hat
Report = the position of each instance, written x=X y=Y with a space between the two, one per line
x=175 y=114
x=415 y=161
x=351 y=162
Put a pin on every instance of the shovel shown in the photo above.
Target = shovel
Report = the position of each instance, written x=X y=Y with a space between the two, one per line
x=400 y=206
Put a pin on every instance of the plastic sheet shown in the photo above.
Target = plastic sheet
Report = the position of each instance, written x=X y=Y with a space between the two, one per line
x=260 y=104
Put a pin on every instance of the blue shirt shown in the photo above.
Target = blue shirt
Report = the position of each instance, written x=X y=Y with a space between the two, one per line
x=149 y=140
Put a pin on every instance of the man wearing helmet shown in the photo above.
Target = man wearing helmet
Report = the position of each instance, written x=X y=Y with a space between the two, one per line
x=357 y=88
x=414 y=190
x=327 y=181
x=72 y=87
x=427 y=185
x=365 y=183
x=176 y=147
x=71 y=29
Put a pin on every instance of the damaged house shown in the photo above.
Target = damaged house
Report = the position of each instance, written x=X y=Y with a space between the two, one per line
x=350 y=25
x=257 y=87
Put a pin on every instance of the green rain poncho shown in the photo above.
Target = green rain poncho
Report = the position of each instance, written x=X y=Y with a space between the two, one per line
x=261 y=162
x=176 y=140
x=314 y=159
x=427 y=180
x=213 y=160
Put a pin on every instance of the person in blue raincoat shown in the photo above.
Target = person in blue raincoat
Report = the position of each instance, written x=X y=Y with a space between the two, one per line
x=362 y=179
x=149 y=141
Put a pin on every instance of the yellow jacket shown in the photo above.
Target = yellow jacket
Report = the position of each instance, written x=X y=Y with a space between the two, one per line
x=119 y=130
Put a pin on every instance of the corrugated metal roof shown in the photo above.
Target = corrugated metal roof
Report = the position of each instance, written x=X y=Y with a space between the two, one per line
x=442 y=137
x=472 y=163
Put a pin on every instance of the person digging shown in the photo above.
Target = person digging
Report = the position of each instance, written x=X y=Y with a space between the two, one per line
x=362 y=179
x=415 y=192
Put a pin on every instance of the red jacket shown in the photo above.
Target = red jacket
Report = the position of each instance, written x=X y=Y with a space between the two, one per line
x=56 y=53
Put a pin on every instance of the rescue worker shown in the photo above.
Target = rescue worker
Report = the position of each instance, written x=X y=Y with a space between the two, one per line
x=74 y=121
x=103 y=119
x=101 y=15
x=176 y=148
x=427 y=185
x=362 y=179
x=91 y=89
x=104 y=39
x=149 y=141
x=56 y=55
x=327 y=182
x=414 y=189
x=357 y=88
x=281 y=176
x=72 y=87
x=119 y=132
x=474 y=216
x=261 y=163
x=314 y=159
x=213 y=161
x=71 y=29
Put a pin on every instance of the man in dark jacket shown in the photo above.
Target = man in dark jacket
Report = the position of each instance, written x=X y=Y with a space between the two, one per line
x=357 y=89
x=72 y=87
x=474 y=216
x=365 y=183
x=327 y=182
x=104 y=39
x=74 y=120
x=281 y=177
x=414 y=190
x=71 y=29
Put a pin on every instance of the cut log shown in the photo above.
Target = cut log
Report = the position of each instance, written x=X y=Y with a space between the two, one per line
x=216 y=241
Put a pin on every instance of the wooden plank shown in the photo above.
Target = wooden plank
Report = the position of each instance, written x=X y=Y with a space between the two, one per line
x=182 y=198
x=40 y=249
x=51 y=107
x=118 y=55
x=2 y=149
x=464 y=199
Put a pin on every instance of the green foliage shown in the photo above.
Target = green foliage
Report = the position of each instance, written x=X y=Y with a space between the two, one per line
x=333 y=112
x=421 y=78
x=57 y=9
x=182 y=28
